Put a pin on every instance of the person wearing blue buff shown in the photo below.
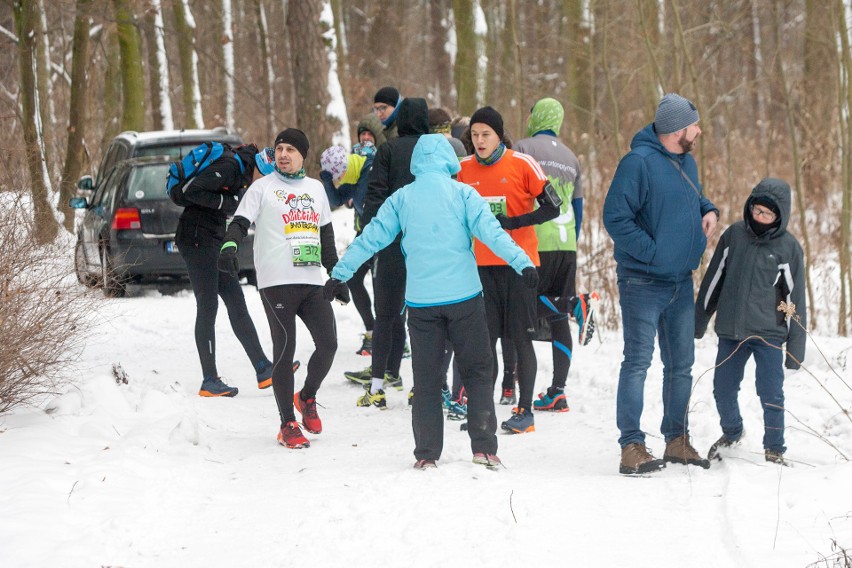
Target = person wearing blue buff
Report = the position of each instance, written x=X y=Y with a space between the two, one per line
x=212 y=196
x=386 y=105
x=659 y=221
x=443 y=292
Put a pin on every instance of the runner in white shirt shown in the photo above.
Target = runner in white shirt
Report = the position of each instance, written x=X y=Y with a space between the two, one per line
x=294 y=241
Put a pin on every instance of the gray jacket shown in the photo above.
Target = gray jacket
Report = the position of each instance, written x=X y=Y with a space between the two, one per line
x=750 y=275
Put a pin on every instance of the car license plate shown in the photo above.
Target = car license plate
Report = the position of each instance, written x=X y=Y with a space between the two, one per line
x=171 y=247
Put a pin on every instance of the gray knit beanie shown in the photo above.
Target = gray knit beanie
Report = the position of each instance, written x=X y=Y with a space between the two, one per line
x=674 y=113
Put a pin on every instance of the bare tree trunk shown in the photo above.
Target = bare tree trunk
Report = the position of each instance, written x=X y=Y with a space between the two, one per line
x=112 y=87
x=185 y=31
x=336 y=108
x=578 y=95
x=158 y=67
x=797 y=168
x=310 y=77
x=46 y=227
x=269 y=74
x=466 y=66
x=77 y=116
x=845 y=104
x=44 y=82
x=441 y=69
x=132 y=83
x=228 y=62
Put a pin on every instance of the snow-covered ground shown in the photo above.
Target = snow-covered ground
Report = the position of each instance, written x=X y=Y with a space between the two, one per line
x=150 y=474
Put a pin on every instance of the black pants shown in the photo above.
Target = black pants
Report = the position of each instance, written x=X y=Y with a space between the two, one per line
x=464 y=325
x=282 y=305
x=557 y=277
x=207 y=284
x=389 y=291
x=360 y=296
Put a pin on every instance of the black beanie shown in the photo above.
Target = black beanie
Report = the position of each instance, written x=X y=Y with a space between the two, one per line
x=766 y=201
x=490 y=117
x=295 y=138
x=388 y=96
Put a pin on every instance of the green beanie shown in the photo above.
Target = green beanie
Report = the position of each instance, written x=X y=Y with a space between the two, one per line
x=546 y=114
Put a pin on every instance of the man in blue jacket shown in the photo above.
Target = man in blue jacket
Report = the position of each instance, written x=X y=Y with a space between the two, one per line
x=437 y=217
x=659 y=221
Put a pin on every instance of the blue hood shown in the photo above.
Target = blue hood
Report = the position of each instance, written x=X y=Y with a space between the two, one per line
x=434 y=154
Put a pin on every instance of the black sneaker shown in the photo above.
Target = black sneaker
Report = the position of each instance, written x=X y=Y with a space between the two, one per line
x=721 y=443
x=776 y=457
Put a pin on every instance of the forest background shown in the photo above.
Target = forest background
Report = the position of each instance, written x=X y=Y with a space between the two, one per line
x=771 y=80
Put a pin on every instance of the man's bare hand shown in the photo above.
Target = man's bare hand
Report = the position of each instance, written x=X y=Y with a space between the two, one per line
x=708 y=224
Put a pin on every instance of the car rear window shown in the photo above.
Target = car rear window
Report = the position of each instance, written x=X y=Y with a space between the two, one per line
x=174 y=152
x=147 y=183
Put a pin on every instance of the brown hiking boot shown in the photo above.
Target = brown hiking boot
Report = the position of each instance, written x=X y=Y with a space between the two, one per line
x=635 y=458
x=681 y=451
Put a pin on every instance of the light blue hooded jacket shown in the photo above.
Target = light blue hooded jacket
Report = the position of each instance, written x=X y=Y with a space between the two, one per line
x=437 y=217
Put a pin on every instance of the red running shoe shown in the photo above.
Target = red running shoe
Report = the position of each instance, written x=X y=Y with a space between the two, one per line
x=308 y=409
x=291 y=436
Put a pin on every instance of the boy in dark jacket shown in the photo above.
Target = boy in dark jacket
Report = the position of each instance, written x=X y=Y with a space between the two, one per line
x=757 y=265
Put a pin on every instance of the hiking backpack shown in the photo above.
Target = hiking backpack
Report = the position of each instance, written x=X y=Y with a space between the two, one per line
x=195 y=161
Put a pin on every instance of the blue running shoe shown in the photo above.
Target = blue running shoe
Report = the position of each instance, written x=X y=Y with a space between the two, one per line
x=521 y=422
x=457 y=410
x=555 y=403
x=446 y=397
x=214 y=386
x=584 y=313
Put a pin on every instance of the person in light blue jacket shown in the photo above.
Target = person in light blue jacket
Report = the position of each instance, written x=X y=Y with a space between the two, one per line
x=437 y=217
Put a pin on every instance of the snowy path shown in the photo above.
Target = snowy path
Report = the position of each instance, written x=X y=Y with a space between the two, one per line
x=150 y=474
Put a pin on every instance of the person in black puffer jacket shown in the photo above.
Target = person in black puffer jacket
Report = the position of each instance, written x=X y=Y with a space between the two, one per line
x=391 y=171
x=213 y=196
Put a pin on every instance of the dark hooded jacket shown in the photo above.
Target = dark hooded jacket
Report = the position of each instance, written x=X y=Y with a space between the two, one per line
x=372 y=124
x=750 y=275
x=653 y=211
x=213 y=195
x=392 y=164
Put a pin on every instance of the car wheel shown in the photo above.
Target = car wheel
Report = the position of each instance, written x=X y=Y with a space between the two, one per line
x=84 y=277
x=113 y=286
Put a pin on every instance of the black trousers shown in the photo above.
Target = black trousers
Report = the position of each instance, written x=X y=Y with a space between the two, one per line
x=208 y=283
x=464 y=325
x=360 y=295
x=282 y=305
x=389 y=291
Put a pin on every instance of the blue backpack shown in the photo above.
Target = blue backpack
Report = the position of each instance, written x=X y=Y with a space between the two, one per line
x=198 y=158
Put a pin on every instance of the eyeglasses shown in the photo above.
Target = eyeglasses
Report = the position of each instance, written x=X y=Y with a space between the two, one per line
x=378 y=109
x=759 y=211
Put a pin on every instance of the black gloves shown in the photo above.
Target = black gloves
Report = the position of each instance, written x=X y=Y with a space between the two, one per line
x=508 y=223
x=530 y=276
x=791 y=363
x=228 y=261
x=326 y=176
x=336 y=290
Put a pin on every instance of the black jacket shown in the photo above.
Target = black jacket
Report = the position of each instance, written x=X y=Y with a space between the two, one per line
x=392 y=164
x=750 y=275
x=213 y=196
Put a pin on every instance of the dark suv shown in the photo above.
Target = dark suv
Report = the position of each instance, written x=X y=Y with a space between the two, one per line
x=127 y=230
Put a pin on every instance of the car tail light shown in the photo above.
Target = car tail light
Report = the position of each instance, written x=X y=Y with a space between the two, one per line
x=126 y=218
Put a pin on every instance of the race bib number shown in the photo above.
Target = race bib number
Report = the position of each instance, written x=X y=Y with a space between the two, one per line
x=305 y=252
x=497 y=204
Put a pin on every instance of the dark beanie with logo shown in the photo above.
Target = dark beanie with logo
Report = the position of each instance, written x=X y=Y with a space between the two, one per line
x=295 y=138
x=490 y=117
x=387 y=95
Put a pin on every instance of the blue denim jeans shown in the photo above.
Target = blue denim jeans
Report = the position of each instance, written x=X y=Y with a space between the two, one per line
x=769 y=377
x=650 y=307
